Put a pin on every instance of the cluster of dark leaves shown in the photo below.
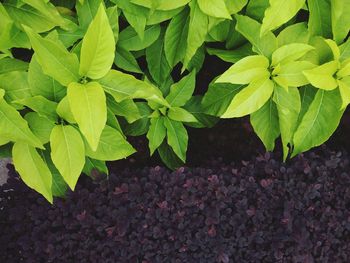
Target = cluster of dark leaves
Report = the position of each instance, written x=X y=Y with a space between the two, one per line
x=256 y=211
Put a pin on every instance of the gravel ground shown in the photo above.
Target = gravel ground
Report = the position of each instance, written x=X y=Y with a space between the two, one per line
x=3 y=170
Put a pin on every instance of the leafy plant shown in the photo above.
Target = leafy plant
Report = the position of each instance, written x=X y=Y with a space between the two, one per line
x=67 y=108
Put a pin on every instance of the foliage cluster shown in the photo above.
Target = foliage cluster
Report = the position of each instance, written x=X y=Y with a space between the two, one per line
x=262 y=211
x=69 y=109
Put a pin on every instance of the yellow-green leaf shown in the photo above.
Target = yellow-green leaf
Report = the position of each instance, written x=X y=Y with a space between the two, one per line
x=32 y=169
x=322 y=76
x=112 y=146
x=280 y=12
x=250 y=99
x=290 y=52
x=67 y=153
x=246 y=70
x=88 y=105
x=98 y=47
x=54 y=59
x=214 y=8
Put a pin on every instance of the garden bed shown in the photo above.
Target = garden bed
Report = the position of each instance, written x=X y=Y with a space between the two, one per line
x=257 y=210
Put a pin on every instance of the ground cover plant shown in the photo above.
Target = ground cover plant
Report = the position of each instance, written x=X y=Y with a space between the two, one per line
x=261 y=210
x=94 y=72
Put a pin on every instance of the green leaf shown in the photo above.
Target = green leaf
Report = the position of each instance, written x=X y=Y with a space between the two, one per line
x=175 y=40
x=320 y=18
x=194 y=106
x=322 y=76
x=319 y=122
x=182 y=91
x=124 y=86
x=246 y=70
x=159 y=16
x=32 y=169
x=291 y=74
x=197 y=32
x=64 y=110
x=263 y=45
x=86 y=11
x=16 y=85
x=158 y=65
x=88 y=105
x=256 y=9
x=181 y=115
x=41 y=105
x=177 y=137
x=235 y=6
x=40 y=126
x=126 y=108
x=67 y=153
x=140 y=126
x=98 y=47
x=231 y=56
x=344 y=89
x=214 y=8
x=129 y=39
x=340 y=19
x=30 y=17
x=14 y=127
x=288 y=106
x=161 y=5
x=280 y=12
x=345 y=51
x=49 y=11
x=126 y=61
x=344 y=70
x=295 y=33
x=265 y=124
x=156 y=133
x=307 y=94
x=168 y=156
x=12 y=64
x=54 y=59
x=92 y=165
x=218 y=97
x=41 y=84
x=250 y=99
x=137 y=21
x=59 y=186
x=290 y=52
x=112 y=146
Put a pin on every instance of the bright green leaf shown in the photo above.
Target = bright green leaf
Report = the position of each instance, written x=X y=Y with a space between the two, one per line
x=54 y=59
x=177 y=137
x=319 y=122
x=181 y=115
x=98 y=47
x=250 y=99
x=67 y=153
x=175 y=41
x=246 y=70
x=156 y=134
x=14 y=127
x=280 y=12
x=32 y=169
x=40 y=126
x=265 y=124
x=112 y=146
x=214 y=8
x=288 y=105
x=182 y=91
x=322 y=76
x=290 y=52
x=88 y=105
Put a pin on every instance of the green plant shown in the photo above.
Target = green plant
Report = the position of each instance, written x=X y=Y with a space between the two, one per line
x=70 y=108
